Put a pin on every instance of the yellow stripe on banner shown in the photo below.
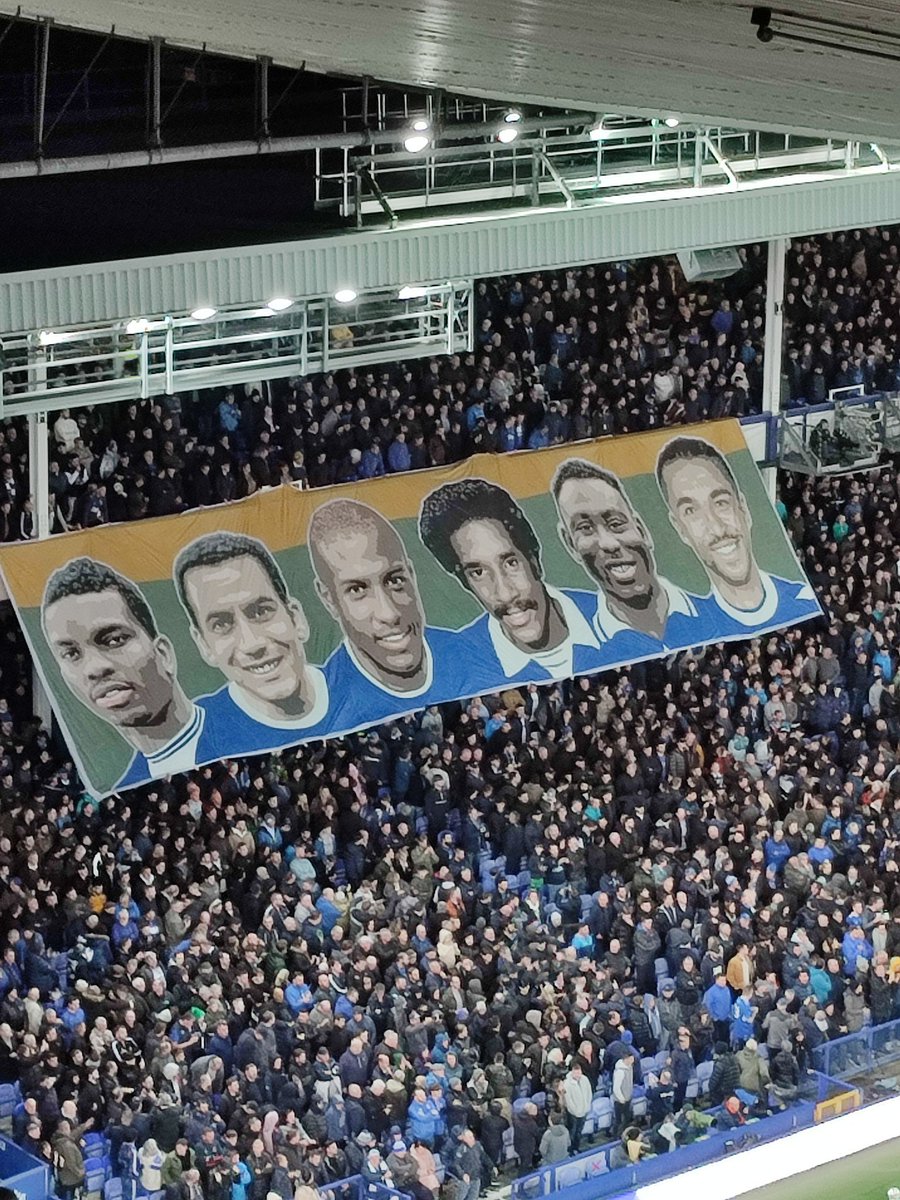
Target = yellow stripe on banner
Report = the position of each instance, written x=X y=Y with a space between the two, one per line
x=145 y=550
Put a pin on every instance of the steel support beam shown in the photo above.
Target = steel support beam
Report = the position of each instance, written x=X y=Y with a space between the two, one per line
x=39 y=485
x=774 y=341
x=263 y=63
x=41 y=63
x=157 y=154
x=154 y=95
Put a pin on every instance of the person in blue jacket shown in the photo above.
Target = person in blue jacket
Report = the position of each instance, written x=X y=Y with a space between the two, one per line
x=855 y=947
x=718 y=1002
x=776 y=850
x=389 y=662
x=529 y=631
x=710 y=514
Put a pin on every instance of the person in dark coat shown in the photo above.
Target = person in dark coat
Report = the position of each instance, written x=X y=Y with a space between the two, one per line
x=493 y=1127
x=526 y=1136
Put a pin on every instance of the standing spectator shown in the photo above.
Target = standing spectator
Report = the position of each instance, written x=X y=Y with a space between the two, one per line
x=578 y=1096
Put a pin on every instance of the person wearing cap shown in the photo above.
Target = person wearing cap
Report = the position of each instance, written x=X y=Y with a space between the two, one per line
x=405 y=1171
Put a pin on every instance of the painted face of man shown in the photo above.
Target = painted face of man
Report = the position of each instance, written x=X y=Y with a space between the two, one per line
x=369 y=587
x=109 y=660
x=246 y=630
x=712 y=518
x=600 y=527
x=504 y=579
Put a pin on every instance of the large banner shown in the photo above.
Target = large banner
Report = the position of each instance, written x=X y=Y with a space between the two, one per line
x=293 y=616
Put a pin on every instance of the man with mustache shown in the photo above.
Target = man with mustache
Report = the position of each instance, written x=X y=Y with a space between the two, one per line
x=112 y=657
x=389 y=661
x=246 y=624
x=710 y=515
x=529 y=631
x=638 y=612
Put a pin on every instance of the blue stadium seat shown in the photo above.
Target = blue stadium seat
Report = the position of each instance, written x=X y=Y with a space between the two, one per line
x=602 y=1112
x=704 y=1071
x=112 y=1189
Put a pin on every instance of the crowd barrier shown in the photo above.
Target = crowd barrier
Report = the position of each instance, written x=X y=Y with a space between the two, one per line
x=856 y=1053
x=24 y=1174
x=590 y=1177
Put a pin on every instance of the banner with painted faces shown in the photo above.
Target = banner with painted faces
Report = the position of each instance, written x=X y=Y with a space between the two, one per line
x=295 y=616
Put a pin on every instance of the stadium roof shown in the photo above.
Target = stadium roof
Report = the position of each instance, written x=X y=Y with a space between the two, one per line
x=696 y=59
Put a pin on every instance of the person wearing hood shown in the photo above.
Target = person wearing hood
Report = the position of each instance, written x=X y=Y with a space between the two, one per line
x=555 y=1142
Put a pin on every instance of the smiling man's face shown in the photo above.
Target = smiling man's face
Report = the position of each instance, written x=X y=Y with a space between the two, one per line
x=504 y=579
x=600 y=527
x=712 y=519
x=109 y=661
x=367 y=584
x=246 y=629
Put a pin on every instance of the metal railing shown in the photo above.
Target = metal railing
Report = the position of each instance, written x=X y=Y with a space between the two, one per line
x=564 y=158
x=146 y=357
x=860 y=1053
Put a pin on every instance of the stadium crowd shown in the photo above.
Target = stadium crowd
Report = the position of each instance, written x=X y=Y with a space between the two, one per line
x=558 y=357
x=358 y=955
x=842 y=304
x=445 y=936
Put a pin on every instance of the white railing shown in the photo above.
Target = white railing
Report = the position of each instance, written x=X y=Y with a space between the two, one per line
x=145 y=357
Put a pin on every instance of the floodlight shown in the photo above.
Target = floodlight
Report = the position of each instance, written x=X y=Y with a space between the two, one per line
x=279 y=304
x=345 y=295
x=204 y=313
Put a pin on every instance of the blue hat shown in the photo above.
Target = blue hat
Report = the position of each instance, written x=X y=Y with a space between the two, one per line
x=627 y=1037
x=854 y=921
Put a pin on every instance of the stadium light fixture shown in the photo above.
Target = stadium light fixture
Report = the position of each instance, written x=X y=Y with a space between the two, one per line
x=672 y=122
x=205 y=312
x=509 y=130
x=412 y=292
x=279 y=304
x=418 y=136
x=345 y=295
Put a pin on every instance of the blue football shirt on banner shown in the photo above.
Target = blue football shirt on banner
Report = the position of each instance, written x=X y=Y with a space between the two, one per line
x=490 y=653
x=784 y=602
x=180 y=754
x=358 y=699
x=621 y=643
x=233 y=728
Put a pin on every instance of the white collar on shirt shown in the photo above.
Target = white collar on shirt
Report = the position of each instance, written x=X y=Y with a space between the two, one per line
x=246 y=703
x=764 y=611
x=607 y=624
x=183 y=742
x=419 y=691
x=513 y=660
